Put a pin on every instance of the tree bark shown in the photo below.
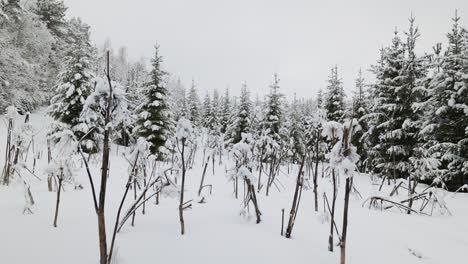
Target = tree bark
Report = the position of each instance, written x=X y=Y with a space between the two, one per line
x=181 y=204
x=58 y=199
x=104 y=174
x=330 y=238
x=295 y=204
x=203 y=176
x=348 y=186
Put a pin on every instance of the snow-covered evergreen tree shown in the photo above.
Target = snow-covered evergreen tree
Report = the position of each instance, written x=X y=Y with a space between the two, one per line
x=393 y=124
x=193 y=106
x=214 y=118
x=74 y=87
x=154 y=122
x=360 y=109
x=52 y=12
x=273 y=110
x=296 y=132
x=241 y=123
x=334 y=101
x=207 y=112
x=225 y=111
x=445 y=129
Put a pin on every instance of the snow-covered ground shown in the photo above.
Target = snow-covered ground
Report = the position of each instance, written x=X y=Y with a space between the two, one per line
x=215 y=232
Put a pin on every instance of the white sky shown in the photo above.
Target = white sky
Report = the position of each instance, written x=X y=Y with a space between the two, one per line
x=224 y=43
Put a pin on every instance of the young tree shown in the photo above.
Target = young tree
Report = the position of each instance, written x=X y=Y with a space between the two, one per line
x=215 y=112
x=315 y=143
x=207 y=112
x=225 y=111
x=73 y=89
x=184 y=133
x=153 y=121
x=360 y=109
x=273 y=112
x=241 y=124
x=343 y=159
x=193 y=105
x=445 y=129
x=388 y=113
x=242 y=170
x=334 y=102
x=296 y=132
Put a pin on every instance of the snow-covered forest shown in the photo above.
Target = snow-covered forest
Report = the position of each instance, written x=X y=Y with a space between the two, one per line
x=105 y=159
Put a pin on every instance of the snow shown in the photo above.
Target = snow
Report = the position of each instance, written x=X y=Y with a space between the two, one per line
x=215 y=233
x=184 y=129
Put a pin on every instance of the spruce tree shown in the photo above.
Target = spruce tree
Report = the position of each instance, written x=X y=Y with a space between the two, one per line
x=215 y=112
x=225 y=111
x=296 y=132
x=242 y=122
x=387 y=108
x=393 y=126
x=207 y=112
x=334 y=102
x=153 y=122
x=445 y=129
x=74 y=86
x=320 y=99
x=273 y=112
x=52 y=13
x=360 y=109
x=193 y=105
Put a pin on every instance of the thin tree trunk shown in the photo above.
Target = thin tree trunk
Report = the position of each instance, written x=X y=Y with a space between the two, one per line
x=295 y=204
x=134 y=197
x=144 y=195
x=58 y=199
x=203 y=176
x=253 y=197
x=181 y=205
x=330 y=238
x=282 y=221
x=260 y=173
x=348 y=187
x=316 y=172
x=104 y=174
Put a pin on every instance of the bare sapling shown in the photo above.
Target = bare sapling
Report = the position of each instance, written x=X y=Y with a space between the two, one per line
x=243 y=168
x=343 y=160
x=183 y=134
x=296 y=200
x=203 y=176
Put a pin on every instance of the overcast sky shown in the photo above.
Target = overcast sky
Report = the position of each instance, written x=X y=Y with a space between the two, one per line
x=224 y=43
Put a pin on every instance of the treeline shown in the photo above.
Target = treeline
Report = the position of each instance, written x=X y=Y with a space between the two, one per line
x=412 y=118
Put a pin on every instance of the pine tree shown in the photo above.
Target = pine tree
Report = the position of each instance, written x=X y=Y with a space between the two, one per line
x=207 y=112
x=445 y=129
x=257 y=117
x=334 y=103
x=52 y=12
x=74 y=87
x=394 y=125
x=178 y=100
x=154 y=122
x=385 y=108
x=215 y=112
x=193 y=105
x=296 y=132
x=225 y=111
x=273 y=111
x=319 y=99
x=241 y=123
x=360 y=109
